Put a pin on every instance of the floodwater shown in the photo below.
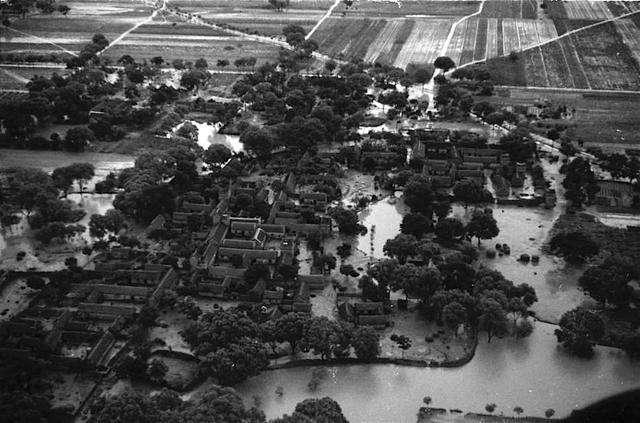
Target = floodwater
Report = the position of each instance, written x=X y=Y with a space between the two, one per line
x=208 y=134
x=532 y=373
x=49 y=160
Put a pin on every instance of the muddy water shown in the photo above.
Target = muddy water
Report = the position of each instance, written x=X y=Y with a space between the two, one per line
x=208 y=134
x=532 y=373
x=49 y=160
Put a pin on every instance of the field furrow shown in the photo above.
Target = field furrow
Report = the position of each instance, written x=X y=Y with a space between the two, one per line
x=492 y=38
x=481 y=40
x=425 y=42
x=510 y=38
x=469 y=41
x=384 y=42
x=591 y=10
x=631 y=35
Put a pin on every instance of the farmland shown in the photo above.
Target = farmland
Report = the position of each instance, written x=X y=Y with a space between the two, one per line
x=255 y=16
x=424 y=43
x=516 y=9
x=409 y=9
x=351 y=38
x=600 y=119
x=38 y=32
x=596 y=58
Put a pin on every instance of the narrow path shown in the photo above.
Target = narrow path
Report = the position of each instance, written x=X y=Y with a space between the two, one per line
x=15 y=76
x=323 y=18
x=566 y=34
x=445 y=46
x=136 y=26
x=429 y=88
x=34 y=65
x=40 y=38
x=259 y=38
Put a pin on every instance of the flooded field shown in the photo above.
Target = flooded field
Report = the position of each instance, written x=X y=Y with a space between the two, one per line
x=49 y=160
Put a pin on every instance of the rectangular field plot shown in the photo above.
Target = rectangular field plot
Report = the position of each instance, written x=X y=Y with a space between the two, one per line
x=522 y=9
x=257 y=17
x=425 y=42
x=14 y=77
x=348 y=38
x=388 y=40
x=606 y=60
x=630 y=35
x=410 y=9
x=55 y=32
x=520 y=34
x=590 y=10
x=463 y=43
x=192 y=47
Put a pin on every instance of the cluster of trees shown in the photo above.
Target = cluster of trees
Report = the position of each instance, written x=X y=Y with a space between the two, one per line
x=35 y=195
x=24 y=392
x=574 y=246
x=580 y=181
x=620 y=165
x=89 y=53
x=455 y=293
x=301 y=112
x=233 y=344
x=216 y=405
x=146 y=192
x=22 y=7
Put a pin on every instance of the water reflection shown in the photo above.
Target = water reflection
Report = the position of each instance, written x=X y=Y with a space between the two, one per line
x=532 y=373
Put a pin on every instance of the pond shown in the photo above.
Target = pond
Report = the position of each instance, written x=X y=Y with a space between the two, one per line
x=208 y=134
x=532 y=373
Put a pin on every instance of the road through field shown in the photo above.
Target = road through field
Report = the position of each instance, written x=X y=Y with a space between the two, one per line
x=322 y=19
x=136 y=26
x=566 y=34
x=40 y=38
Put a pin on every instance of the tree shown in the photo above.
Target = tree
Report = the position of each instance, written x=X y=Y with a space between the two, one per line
x=416 y=224
x=366 y=343
x=192 y=78
x=258 y=141
x=315 y=239
x=219 y=328
x=579 y=330
x=470 y=192
x=320 y=410
x=418 y=195
x=492 y=318
x=445 y=63
x=255 y=272
x=233 y=363
x=157 y=370
x=403 y=342
x=482 y=225
x=401 y=247
x=419 y=282
x=77 y=139
x=575 y=247
x=449 y=230
x=580 y=181
x=518 y=144
x=64 y=9
x=454 y=314
x=343 y=250
x=607 y=284
x=291 y=328
x=201 y=64
x=279 y=5
x=347 y=221
x=189 y=308
x=35 y=282
x=326 y=338
x=217 y=154
x=111 y=222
